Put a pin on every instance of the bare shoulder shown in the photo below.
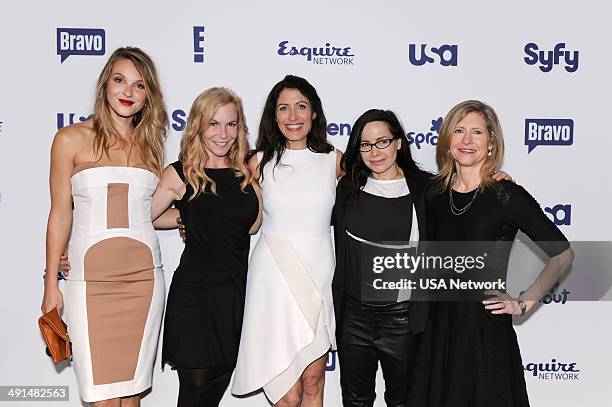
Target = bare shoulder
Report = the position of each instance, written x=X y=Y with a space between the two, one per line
x=253 y=164
x=76 y=136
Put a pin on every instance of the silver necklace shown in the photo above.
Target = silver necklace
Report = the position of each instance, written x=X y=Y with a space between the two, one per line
x=460 y=211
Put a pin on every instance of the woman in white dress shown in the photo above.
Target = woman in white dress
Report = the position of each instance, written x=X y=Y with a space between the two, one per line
x=107 y=168
x=289 y=323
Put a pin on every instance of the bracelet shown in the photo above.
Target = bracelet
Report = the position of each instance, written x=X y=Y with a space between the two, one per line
x=522 y=306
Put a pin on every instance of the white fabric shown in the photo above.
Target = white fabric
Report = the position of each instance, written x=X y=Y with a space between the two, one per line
x=289 y=319
x=386 y=188
x=89 y=190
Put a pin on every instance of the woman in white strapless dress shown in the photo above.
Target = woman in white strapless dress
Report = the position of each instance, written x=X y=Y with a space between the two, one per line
x=108 y=169
x=289 y=323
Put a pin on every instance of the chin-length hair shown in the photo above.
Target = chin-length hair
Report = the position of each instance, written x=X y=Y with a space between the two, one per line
x=270 y=140
x=446 y=163
x=352 y=163
x=150 y=123
x=194 y=155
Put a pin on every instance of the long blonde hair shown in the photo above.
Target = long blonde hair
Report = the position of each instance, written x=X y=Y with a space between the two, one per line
x=446 y=164
x=150 y=123
x=193 y=153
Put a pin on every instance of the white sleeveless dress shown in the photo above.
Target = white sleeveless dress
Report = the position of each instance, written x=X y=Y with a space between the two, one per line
x=114 y=295
x=289 y=317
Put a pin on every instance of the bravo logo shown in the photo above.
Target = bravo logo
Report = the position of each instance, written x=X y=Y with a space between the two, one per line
x=560 y=214
x=80 y=41
x=66 y=119
x=548 y=59
x=548 y=132
x=446 y=54
x=326 y=55
x=553 y=370
x=429 y=138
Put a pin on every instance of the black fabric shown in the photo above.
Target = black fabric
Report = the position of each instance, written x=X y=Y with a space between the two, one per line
x=416 y=180
x=372 y=334
x=375 y=219
x=470 y=357
x=200 y=388
x=205 y=305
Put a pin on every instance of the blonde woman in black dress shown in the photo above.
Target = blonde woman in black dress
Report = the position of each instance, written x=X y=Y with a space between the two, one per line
x=219 y=206
x=470 y=354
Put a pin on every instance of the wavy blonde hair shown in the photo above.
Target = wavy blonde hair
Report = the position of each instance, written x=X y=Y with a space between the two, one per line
x=446 y=164
x=193 y=153
x=150 y=123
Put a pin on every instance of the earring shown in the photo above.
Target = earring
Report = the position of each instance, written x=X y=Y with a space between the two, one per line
x=490 y=149
x=314 y=115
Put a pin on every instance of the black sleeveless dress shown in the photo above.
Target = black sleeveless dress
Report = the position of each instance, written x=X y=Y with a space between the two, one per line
x=206 y=297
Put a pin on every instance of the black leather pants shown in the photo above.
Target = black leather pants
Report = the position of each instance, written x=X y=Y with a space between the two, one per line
x=372 y=334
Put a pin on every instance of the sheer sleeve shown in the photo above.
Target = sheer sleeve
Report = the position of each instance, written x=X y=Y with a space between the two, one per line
x=524 y=212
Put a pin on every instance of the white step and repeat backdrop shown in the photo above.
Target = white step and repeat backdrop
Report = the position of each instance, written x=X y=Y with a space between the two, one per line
x=537 y=63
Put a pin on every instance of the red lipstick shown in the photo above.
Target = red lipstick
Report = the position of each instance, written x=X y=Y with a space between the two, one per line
x=126 y=102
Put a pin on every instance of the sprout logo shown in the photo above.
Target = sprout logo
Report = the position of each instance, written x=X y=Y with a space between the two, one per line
x=430 y=137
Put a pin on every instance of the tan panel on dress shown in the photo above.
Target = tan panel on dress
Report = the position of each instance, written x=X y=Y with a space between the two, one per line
x=117 y=212
x=120 y=281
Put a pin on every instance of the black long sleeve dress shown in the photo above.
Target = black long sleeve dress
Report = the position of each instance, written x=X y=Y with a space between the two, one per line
x=470 y=357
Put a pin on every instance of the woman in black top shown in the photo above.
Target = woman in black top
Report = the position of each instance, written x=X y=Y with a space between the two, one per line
x=378 y=200
x=219 y=206
x=470 y=354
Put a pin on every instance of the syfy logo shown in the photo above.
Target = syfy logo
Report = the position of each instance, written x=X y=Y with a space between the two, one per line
x=80 y=41
x=548 y=59
x=446 y=54
x=553 y=370
x=548 y=132
x=327 y=55
x=198 y=40
x=429 y=138
x=72 y=118
x=560 y=214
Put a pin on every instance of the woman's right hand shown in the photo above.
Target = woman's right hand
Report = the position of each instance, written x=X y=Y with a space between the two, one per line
x=52 y=298
x=181 y=228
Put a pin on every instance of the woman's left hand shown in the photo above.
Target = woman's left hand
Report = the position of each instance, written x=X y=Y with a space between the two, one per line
x=501 y=176
x=501 y=303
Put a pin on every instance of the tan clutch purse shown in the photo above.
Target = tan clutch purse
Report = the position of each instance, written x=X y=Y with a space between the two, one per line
x=54 y=331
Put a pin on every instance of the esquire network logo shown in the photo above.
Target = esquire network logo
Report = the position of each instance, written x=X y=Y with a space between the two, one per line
x=549 y=59
x=548 y=132
x=323 y=55
x=80 y=41
x=445 y=54
x=553 y=370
